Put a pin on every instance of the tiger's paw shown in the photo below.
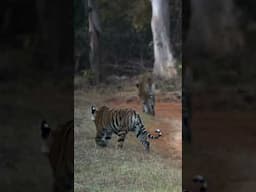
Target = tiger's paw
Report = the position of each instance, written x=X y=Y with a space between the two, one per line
x=101 y=143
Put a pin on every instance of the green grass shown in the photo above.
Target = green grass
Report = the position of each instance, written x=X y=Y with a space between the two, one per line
x=115 y=170
x=112 y=170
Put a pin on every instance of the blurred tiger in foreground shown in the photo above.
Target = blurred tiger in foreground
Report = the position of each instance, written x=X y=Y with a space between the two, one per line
x=198 y=179
x=58 y=145
x=120 y=122
x=146 y=90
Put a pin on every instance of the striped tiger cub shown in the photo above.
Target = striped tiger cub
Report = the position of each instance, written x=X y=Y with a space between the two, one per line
x=58 y=146
x=198 y=179
x=120 y=122
x=146 y=92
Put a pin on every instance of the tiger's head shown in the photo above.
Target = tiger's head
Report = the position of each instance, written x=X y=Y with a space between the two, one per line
x=146 y=90
x=95 y=111
x=58 y=146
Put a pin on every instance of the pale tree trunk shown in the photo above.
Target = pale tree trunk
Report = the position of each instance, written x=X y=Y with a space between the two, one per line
x=164 y=65
x=94 y=35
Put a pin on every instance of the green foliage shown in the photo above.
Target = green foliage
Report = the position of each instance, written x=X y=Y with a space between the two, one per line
x=88 y=74
x=141 y=15
x=126 y=31
x=114 y=13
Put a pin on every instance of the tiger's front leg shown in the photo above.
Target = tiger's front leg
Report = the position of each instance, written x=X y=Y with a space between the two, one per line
x=99 y=139
x=145 y=108
x=121 y=135
x=108 y=135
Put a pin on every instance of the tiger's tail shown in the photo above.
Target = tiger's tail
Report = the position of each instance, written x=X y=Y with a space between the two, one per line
x=159 y=134
x=145 y=134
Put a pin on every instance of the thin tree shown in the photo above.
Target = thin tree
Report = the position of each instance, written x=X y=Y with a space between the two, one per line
x=164 y=65
x=94 y=36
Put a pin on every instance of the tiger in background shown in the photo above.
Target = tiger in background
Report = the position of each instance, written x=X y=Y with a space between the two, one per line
x=198 y=179
x=58 y=146
x=146 y=92
x=120 y=122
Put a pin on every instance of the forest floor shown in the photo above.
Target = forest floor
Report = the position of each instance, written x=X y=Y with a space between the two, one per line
x=129 y=169
x=222 y=149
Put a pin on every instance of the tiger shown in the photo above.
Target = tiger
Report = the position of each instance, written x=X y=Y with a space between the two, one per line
x=58 y=146
x=198 y=179
x=146 y=92
x=120 y=122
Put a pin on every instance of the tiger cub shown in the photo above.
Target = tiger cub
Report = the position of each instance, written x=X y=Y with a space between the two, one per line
x=120 y=122
x=146 y=92
x=58 y=146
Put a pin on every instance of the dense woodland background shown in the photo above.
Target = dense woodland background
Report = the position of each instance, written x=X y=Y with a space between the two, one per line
x=126 y=39
x=217 y=36
x=36 y=32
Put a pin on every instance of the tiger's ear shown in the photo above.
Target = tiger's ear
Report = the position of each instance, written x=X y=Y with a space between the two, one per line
x=93 y=109
x=93 y=112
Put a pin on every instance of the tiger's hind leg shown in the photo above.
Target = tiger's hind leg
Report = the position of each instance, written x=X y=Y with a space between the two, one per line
x=146 y=146
x=121 y=135
x=145 y=143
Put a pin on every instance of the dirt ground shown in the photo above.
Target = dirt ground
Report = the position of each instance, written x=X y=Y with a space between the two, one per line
x=223 y=150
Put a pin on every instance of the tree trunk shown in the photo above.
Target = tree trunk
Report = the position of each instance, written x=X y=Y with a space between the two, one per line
x=94 y=35
x=164 y=62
